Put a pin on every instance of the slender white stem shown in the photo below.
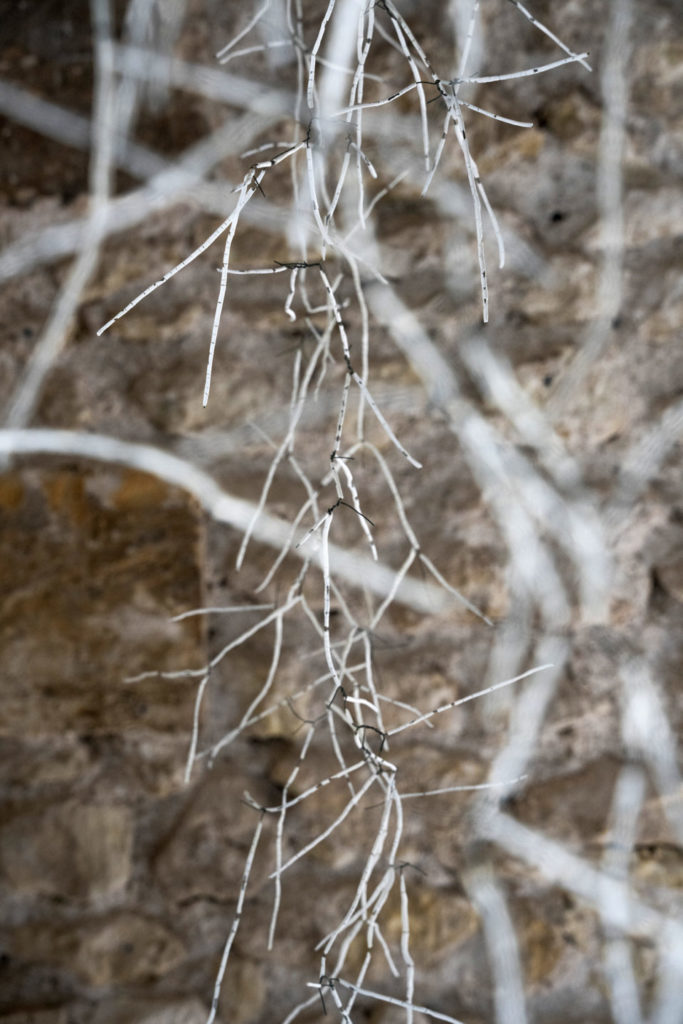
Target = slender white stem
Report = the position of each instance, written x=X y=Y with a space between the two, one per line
x=235 y=924
x=464 y=700
x=195 y=728
x=480 y=79
x=245 y=31
x=330 y=829
x=280 y=833
x=546 y=31
x=382 y=998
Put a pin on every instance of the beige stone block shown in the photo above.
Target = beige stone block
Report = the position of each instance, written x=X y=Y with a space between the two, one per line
x=123 y=948
x=52 y=1016
x=69 y=851
x=145 y=1011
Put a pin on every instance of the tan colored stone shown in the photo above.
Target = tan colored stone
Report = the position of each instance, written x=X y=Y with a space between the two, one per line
x=58 y=1016
x=38 y=763
x=441 y=922
x=71 y=850
x=244 y=992
x=670 y=575
x=91 y=577
x=541 y=950
x=121 y=949
x=11 y=492
x=204 y=851
x=147 y=1011
x=659 y=864
x=561 y=804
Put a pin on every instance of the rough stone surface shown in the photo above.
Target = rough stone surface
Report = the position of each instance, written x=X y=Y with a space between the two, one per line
x=119 y=881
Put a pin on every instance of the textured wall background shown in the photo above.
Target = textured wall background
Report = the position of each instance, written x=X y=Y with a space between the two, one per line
x=118 y=881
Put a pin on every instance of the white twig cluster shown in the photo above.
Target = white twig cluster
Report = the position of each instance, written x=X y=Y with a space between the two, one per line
x=336 y=287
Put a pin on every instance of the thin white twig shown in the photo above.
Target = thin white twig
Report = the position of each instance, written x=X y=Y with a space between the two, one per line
x=382 y=998
x=27 y=394
x=280 y=833
x=222 y=610
x=546 y=31
x=235 y=924
x=330 y=829
x=195 y=728
x=464 y=789
x=501 y=941
x=463 y=700
x=245 y=31
x=481 y=79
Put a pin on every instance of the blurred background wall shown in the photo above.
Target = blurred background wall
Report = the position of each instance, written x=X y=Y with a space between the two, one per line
x=118 y=880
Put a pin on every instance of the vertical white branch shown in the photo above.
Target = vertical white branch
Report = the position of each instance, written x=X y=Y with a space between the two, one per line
x=501 y=941
x=236 y=922
x=27 y=395
x=610 y=195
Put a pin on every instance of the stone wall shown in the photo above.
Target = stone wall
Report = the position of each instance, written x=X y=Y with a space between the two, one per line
x=119 y=880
